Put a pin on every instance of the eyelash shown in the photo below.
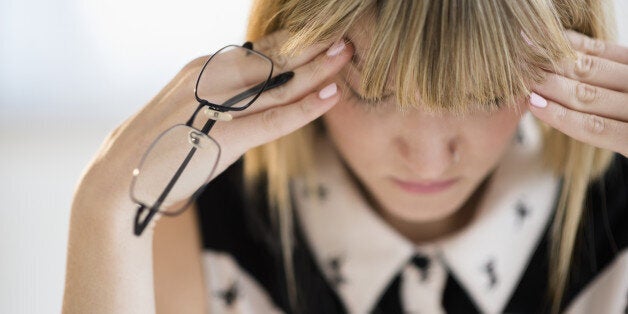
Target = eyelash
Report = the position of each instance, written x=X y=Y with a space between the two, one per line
x=497 y=102
x=374 y=103
x=368 y=102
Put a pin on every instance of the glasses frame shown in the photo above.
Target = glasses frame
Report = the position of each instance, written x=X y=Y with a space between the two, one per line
x=255 y=91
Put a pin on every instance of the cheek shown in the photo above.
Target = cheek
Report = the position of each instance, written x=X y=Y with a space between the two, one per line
x=343 y=126
x=357 y=134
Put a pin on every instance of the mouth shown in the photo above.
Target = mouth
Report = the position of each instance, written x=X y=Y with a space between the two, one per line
x=427 y=187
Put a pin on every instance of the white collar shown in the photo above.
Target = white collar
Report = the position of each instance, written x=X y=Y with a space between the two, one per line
x=354 y=246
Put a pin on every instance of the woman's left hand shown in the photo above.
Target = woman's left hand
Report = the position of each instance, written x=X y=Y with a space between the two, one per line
x=588 y=99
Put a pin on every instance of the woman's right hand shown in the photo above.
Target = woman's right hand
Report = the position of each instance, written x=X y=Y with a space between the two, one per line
x=111 y=270
x=277 y=112
x=284 y=109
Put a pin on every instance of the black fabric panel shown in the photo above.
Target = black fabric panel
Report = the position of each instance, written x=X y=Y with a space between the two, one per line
x=390 y=302
x=530 y=296
x=455 y=298
x=225 y=227
x=604 y=234
x=316 y=295
x=605 y=231
x=240 y=226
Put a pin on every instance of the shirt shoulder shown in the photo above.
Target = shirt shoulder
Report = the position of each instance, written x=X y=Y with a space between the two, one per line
x=600 y=257
x=605 y=219
x=599 y=253
x=604 y=230
x=238 y=239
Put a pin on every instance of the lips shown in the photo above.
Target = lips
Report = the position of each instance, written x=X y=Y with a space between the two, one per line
x=425 y=187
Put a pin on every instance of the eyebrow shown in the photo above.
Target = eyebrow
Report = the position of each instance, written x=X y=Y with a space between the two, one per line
x=387 y=92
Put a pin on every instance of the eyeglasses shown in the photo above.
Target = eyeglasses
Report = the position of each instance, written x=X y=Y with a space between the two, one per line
x=178 y=165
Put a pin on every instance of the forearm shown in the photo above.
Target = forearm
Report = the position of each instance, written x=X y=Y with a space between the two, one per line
x=109 y=269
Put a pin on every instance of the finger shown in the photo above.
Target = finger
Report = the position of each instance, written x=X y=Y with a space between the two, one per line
x=247 y=132
x=597 y=47
x=584 y=97
x=585 y=127
x=306 y=79
x=271 y=45
x=597 y=71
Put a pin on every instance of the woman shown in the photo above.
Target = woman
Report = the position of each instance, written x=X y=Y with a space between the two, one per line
x=461 y=145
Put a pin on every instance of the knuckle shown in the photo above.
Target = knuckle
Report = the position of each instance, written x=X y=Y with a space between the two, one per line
x=585 y=93
x=279 y=93
x=265 y=44
x=594 y=124
x=270 y=120
x=560 y=113
x=195 y=65
x=594 y=46
x=271 y=42
x=279 y=59
x=306 y=107
x=578 y=40
x=198 y=61
x=584 y=65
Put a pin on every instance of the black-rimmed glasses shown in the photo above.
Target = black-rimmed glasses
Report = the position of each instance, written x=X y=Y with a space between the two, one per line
x=180 y=162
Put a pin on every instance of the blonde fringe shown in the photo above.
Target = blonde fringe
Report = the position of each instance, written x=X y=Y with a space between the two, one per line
x=579 y=164
x=312 y=20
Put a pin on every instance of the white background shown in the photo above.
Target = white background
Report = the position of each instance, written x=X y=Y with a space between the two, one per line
x=70 y=71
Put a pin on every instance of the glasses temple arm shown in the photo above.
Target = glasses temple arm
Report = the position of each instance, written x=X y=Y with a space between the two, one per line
x=139 y=226
x=274 y=82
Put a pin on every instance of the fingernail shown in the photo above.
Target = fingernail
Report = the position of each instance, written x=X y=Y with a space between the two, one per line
x=537 y=100
x=336 y=48
x=328 y=91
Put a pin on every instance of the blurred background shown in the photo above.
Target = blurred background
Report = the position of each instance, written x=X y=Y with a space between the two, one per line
x=70 y=72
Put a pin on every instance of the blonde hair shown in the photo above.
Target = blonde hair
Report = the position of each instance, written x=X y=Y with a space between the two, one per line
x=483 y=46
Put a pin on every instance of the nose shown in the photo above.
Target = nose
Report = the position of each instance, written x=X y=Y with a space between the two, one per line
x=427 y=146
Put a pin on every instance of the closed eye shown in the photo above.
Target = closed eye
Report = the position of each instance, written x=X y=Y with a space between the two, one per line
x=368 y=101
x=495 y=102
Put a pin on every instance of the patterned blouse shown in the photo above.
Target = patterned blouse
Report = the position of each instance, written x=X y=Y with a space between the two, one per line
x=347 y=259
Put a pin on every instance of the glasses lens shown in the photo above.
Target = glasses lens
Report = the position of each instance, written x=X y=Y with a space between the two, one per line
x=234 y=77
x=174 y=168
